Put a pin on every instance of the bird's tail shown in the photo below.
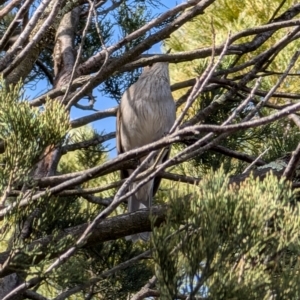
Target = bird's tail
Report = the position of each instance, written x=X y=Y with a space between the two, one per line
x=139 y=200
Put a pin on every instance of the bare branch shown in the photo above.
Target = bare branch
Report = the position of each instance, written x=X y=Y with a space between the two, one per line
x=144 y=292
x=292 y=165
x=45 y=70
x=6 y=9
x=110 y=229
x=111 y=112
x=34 y=295
x=255 y=161
x=295 y=119
x=97 y=59
x=13 y=25
x=25 y=34
x=38 y=36
x=98 y=139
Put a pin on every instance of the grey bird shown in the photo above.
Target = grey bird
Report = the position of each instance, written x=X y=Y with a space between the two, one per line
x=146 y=114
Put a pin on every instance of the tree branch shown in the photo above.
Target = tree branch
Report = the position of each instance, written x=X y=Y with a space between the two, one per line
x=110 y=229
x=110 y=112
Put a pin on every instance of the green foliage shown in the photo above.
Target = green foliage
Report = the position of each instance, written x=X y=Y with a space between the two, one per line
x=230 y=242
x=86 y=157
x=59 y=213
x=229 y=17
x=220 y=19
x=26 y=132
x=90 y=262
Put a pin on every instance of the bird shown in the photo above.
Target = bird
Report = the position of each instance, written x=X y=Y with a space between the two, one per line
x=146 y=113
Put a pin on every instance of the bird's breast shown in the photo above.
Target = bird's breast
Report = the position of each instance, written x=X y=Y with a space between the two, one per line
x=146 y=119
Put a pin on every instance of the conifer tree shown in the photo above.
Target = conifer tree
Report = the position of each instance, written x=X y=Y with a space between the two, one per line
x=225 y=224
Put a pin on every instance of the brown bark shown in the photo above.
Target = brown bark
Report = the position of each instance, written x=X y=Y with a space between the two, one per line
x=64 y=59
x=109 y=229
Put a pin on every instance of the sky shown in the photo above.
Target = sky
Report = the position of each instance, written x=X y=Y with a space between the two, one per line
x=108 y=125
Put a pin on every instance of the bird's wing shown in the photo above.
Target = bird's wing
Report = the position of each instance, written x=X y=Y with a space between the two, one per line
x=118 y=129
x=157 y=179
x=124 y=173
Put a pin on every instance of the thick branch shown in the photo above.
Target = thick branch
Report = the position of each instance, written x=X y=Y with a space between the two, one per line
x=109 y=229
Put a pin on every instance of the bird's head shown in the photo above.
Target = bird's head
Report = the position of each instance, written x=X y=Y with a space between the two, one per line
x=157 y=69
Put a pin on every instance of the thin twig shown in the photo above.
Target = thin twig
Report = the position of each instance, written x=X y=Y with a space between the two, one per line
x=254 y=162
x=275 y=87
x=145 y=289
x=293 y=163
